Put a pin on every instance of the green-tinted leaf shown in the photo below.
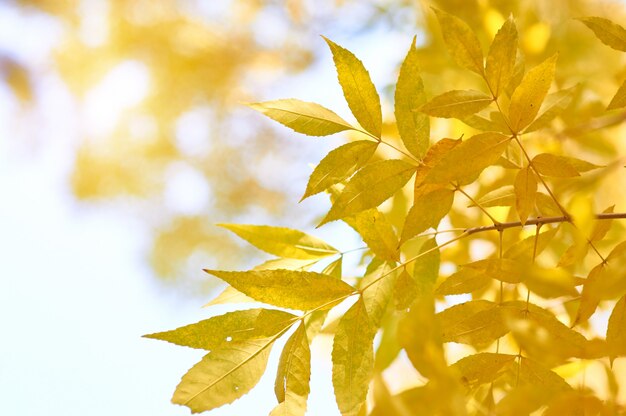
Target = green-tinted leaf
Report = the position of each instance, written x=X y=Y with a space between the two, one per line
x=616 y=330
x=282 y=242
x=376 y=232
x=619 y=100
x=303 y=117
x=501 y=57
x=461 y=41
x=525 y=190
x=414 y=127
x=465 y=280
x=456 y=104
x=426 y=267
x=287 y=288
x=427 y=212
x=338 y=165
x=370 y=187
x=478 y=369
x=530 y=93
x=293 y=375
x=405 y=291
x=353 y=359
x=465 y=162
x=358 y=88
x=610 y=33
x=220 y=331
x=477 y=323
x=223 y=375
x=555 y=104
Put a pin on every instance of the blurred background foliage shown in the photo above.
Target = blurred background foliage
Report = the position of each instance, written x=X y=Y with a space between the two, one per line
x=157 y=89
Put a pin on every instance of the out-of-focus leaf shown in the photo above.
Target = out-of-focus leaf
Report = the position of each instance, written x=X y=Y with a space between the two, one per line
x=220 y=331
x=619 y=99
x=426 y=267
x=370 y=187
x=482 y=368
x=589 y=298
x=427 y=212
x=456 y=104
x=616 y=330
x=287 y=288
x=602 y=227
x=465 y=280
x=465 y=162
x=501 y=197
x=303 y=117
x=477 y=323
x=505 y=270
x=282 y=242
x=525 y=190
x=610 y=33
x=405 y=291
x=338 y=165
x=555 y=104
x=353 y=359
x=524 y=249
x=561 y=166
x=358 y=89
x=223 y=375
x=501 y=57
x=575 y=403
x=377 y=232
x=414 y=127
x=461 y=42
x=293 y=375
x=380 y=283
x=530 y=93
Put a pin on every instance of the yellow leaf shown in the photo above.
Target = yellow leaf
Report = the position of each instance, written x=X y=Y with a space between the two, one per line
x=426 y=267
x=434 y=155
x=334 y=268
x=550 y=282
x=288 y=288
x=465 y=280
x=481 y=368
x=619 y=99
x=414 y=127
x=370 y=187
x=456 y=104
x=530 y=93
x=602 y=227
x=223 y=375
x=461 y=41
x=380 y=282
x=501 y=197
x=610 y=33
x=427 y=212
x=405 y=291
x=219 y=331
x=501 y=57
x=287 y=263
x=575 y=403
x=229 y=295
x=282 y=242
x=465 y=162
x=338 y=165
x=376 y=232
x=548 y=164
x=525 y=190
x=589 y=299
x=505 y=270
x=477 y=323
x=555 y=104
x=524 y=249
x=616 y=330
x=531 y=372
x=303 y=117
x=293 y=375
x=518 y=75
x=353 y=359
x=358 y=89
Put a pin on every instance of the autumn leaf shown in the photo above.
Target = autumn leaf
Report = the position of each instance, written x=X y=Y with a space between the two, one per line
x=481 y=368
x=501 y=58
x=461 y=41
x=456 y=104
x=288 y=288
x=554 y=106
x=338 y=165
x=377 y=232
x=380 y=281
x=616 y=330
x=405 y=290
x=619 y=99
x=525 y=191
x=610 y=33
x=477 y=323
x=427 y=212
x=358 y=89
x=414 y=128
x=465 y=280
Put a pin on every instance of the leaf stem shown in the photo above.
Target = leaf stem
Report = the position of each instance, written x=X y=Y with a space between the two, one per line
x=483 y=209
x=381 y=141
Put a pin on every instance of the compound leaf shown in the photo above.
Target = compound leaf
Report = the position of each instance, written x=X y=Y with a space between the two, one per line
x=456 y=104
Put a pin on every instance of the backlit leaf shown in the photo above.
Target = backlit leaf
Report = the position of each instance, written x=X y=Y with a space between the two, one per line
x=461 y=41
x=501 y=57
x=370 y=187
x=414 y=127
x=376 y=232
x=380 y=282
x=220 y=331
x=287 y=288
x=223 y=375
x=338 y=165
x=619 y=99
x=427 y=212
x=229 y=295
x=426 y=266
x=553 y=107
x=525 y=190
x=530 y=93
x=353 y=359
x=478 y=369
x=282 y=242
x=358 y=88
x=524 y=249
x=477 y=323
x=405 y=291
x=303 y=117
x=465 y=280
x=465 y=162
x=456 y=104
x=616 y=330
x=334 y=268
x=553 y=165
x=293 y=375
x=501 y=197
x=504 y=270
x=610 y=33
x=433 y=157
